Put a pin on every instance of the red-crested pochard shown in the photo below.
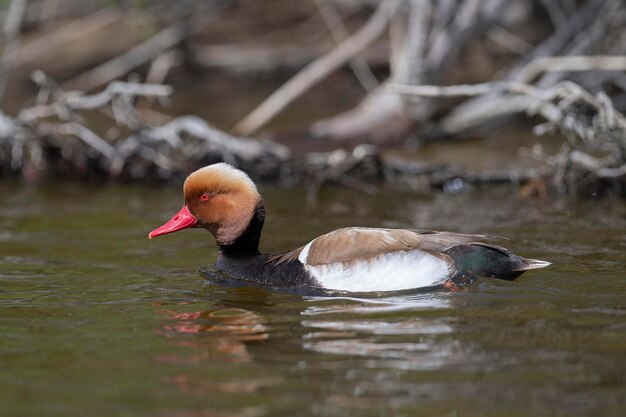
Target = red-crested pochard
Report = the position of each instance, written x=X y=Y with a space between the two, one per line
x=225 y=201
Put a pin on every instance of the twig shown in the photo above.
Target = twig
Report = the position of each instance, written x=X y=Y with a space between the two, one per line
x=339 y=165
x=89 y=137
x=508 y=40
x=443 y=13
x=317 y=70
x=78 y=101
x=158 y=151
x=557 y=16
x=251 y=58
x=464 y=90
x=48 y=12
x=588 y=123
x=140 y=54
x=245 y=148
x=68 y=102
x=65 y=34
x=157 y=73
x=241 y=58
x=476 y=111
x=415 y=58
x=447 y=41
x=410 y=67
x=571 y=64
x=338 y=30
x=473 y=18
x=567 y=93
x=558 y=41
x=611 y=172
x=11 y=29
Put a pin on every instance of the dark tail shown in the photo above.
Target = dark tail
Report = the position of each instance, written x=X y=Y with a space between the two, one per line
x=535 y=264
x=491 y=261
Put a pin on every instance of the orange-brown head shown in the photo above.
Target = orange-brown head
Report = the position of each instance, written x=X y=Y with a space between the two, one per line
x=219 y=198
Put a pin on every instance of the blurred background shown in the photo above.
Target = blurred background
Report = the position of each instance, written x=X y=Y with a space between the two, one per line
x=533 y=91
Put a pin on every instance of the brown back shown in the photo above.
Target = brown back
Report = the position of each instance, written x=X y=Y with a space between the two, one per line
x=350 y=244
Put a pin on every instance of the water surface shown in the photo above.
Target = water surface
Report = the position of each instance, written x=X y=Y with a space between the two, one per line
x=95 y=320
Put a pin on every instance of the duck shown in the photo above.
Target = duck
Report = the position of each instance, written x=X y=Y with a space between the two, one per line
x=225 y=201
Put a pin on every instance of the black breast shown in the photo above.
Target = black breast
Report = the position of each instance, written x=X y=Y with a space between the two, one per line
x=257 y=269
x=241 y=260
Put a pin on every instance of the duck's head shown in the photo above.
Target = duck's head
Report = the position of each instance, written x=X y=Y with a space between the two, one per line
x=219 y=198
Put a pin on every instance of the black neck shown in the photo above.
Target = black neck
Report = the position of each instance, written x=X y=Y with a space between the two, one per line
x=248 y=243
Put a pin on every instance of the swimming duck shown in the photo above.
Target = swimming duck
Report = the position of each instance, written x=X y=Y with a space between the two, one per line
x=226 y=202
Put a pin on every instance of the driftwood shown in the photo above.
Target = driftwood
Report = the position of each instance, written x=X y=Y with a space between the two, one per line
x=71 y=32
x=590 y=124
x=53 y=135
x=422 y=49
x=338 y=30
x=578 y=29
x=568 y=70
x=243 y=59
x=189 y=22
x=44 y=136
x=123 y=64
x=383 y=118
x=318 y=70
x=11 y=29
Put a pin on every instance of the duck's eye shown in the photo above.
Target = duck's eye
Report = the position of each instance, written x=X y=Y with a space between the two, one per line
x=204 y=196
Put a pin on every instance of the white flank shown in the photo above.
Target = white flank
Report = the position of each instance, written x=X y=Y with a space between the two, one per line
x=304 y=255
x=392 y=271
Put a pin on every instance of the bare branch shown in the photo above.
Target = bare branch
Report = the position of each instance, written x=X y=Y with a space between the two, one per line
x=11 y=29
x=65 y=34
x=571 y=64
x=317 y=70
x=475 y=111
x=245 y=148
x=466 y=90
x=338 y=30
x=140 y=54
x=89 y=137
x=68 y=102
x=78 y=101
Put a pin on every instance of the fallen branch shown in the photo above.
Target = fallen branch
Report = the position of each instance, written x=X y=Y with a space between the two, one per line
x=478 y=110
x=596 y=165
x=251 y=58
x=173 y=147
x=420 y=51
x=11 y=29
x=317 y=70
x=87 y=136
x=65 y=34
x=464 y=90
x=382 y=117
x=119 y=66
x=540 y=98
x=68 y=102
x=338 y=30
x=231 y=147
x=157 y=74
x=571 y=64
x=589 y=123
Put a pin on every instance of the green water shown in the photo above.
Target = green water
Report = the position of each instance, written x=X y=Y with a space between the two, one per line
x=95 y=320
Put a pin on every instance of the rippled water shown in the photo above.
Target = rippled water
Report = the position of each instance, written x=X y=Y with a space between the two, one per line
x=95 y=320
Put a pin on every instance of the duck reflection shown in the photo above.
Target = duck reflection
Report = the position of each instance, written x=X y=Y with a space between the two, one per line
x=227 y=332
x=405 y=332
x=211 y=337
